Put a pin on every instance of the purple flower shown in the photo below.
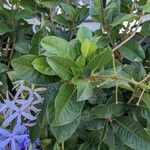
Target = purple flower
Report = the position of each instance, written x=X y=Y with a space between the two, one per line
x=19 y=112
x=36 y=144
x=22 y=108
x=18 y=138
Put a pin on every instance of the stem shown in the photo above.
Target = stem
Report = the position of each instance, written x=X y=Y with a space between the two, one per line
x=130 y=100
x=116 y=93
x=114 y=65
x=62 y=146
x=146 y=78
x=118 y=78
x=142 y=40
x=138 y=103
x=129 y=38
x=114 y=68
x=102 y=13
x=7 y=46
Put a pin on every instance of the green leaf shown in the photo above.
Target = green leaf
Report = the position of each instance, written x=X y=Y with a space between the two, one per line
x=23 y=47
x=84 y=90
x=141 y=111
x=78 y=71
x=146 y=29
x=49 y=4
x=35 y=42
x=4 y=28
x=62 y=133
x=146 y=7
x=13 y=1
x=101 y=59
x=88 y=48
x=68 y=9
x=123 y=17
x=57 y=46
x=41 y=65
x=62 y=66
x=67 y=109
x=83 y=34
x=108 y=110
x=25 y=14
x=24 y=70
x=132 y=51
x=131 y=133
x=53 y=90
x=93 y=124
x=3 y=68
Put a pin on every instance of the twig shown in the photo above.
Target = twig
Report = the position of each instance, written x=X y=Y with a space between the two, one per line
x=62 y=146
x=142 y=40
x=7 y=46
x=146 y=78
x=138 y=103
x=130 y=37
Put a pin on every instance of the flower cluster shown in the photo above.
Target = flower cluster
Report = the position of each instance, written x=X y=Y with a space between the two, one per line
x=21 y=111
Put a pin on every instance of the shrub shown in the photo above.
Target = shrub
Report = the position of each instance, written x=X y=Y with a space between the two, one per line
x=94 y=85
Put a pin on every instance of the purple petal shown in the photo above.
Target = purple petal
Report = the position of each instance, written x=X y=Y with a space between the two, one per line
x=4 y=132
x=19 y=119
x=26 y=104
x=3 y=107
x=21 y=137
x=20 y=101
x=19 y=91
x=28 y=116
x=4 y=143
x=13 y=145
x=19 y=130
x=11 y=105
x=9 y=119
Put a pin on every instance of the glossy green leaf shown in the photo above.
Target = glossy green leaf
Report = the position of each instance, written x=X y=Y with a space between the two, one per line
x=131 y=133
x=3 y=68
x=35 y=42
x=68 y=9
x=146 y=7
x=84 y=90
x=62 y=133
x=66 y=106
x=123 y=17
x=83 y=34
x=101 y=59
x=146 y=29
x=4 y=28
x=88 y=48
x=53 y=90
x=93 y=124
x=23 y=47
x=62 y=66
x=24 y=70
x=57 y=46
x=132 y=51
x=41 y=65
x=108 y=110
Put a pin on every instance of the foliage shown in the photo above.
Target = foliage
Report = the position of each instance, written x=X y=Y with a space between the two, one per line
x=97 y=82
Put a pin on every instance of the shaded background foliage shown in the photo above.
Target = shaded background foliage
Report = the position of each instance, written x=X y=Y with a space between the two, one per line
x=97 y=85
